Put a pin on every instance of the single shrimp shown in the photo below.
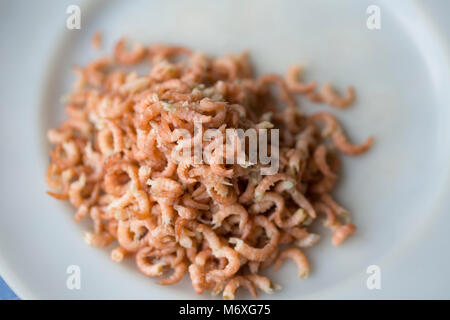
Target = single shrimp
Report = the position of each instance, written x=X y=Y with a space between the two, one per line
x=337 y=208
x=262 y=283
x=293 y=84
x=127 y=239
x=341 y=142
x=259 y=254
x=331 y=98
x=229 y=292
x=298 y=257
x=165 y=188
x=125 y=57
x=268 y=181
x=98 y=240
x=228 y=210
x=148 y=267
x=342 y=233
x=320 y=158
x=118 y=254
x=180 y=270
x=220 y=251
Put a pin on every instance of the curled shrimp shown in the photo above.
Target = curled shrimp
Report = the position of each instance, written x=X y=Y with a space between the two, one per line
x=75 y=191
x=132 y=241
x=330 y=121
x=147 y=266
x=341 y=142
x=229 y=210
x=99 y=240
x=165 y=188
x=66 y=154
x=220 y=251
x=298 y=257
x=258 y=254
x=229 y=292
x=198 y=278
x=180 y=268
x=185 y=212
x=342 y=233
x=268 y=181
x=292 y=81
x=331 y=98
x=262 y=283
x=320 y=158
x=340 y=211
x=118 y=254
x=123 y=56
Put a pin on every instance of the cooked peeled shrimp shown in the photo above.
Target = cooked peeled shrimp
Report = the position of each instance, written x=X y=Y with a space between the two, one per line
x=229 y=210
x=123 y=56
x=342 y=233
x=198 y=278
x=185 y=212
x=286 y=95
x=189 y=202
x=148 y=267
x=100 y=240
x=302 y=201
x=320 y=158
x=59 y=196
x=180 y=270
x=220 y=251
x=262 y=283
x=57 y=136
x=298 y=257
x=183 y=234
x=94 y=70
x=168 y=171
x=292 y=81
x=338 y=209
x=75 y=190
x=165 y=188
x=117 y=176
x=247 y=196
x=307 y=241
x=330 y=222
x=341 y=142
x=118 y=254
x=183 y=171
x=331 y=98
x=128 y=240
x=330 y=121
x=229 y=293
x=268 y=181
x=258 y=254
x=66 y=154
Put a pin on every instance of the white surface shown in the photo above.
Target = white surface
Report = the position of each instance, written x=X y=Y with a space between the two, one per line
x=397 y=192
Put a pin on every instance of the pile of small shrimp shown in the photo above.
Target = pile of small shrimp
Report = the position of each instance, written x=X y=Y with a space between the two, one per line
x=222 y=225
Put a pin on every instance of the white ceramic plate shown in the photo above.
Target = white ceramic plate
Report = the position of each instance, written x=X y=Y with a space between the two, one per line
x=396 y=193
